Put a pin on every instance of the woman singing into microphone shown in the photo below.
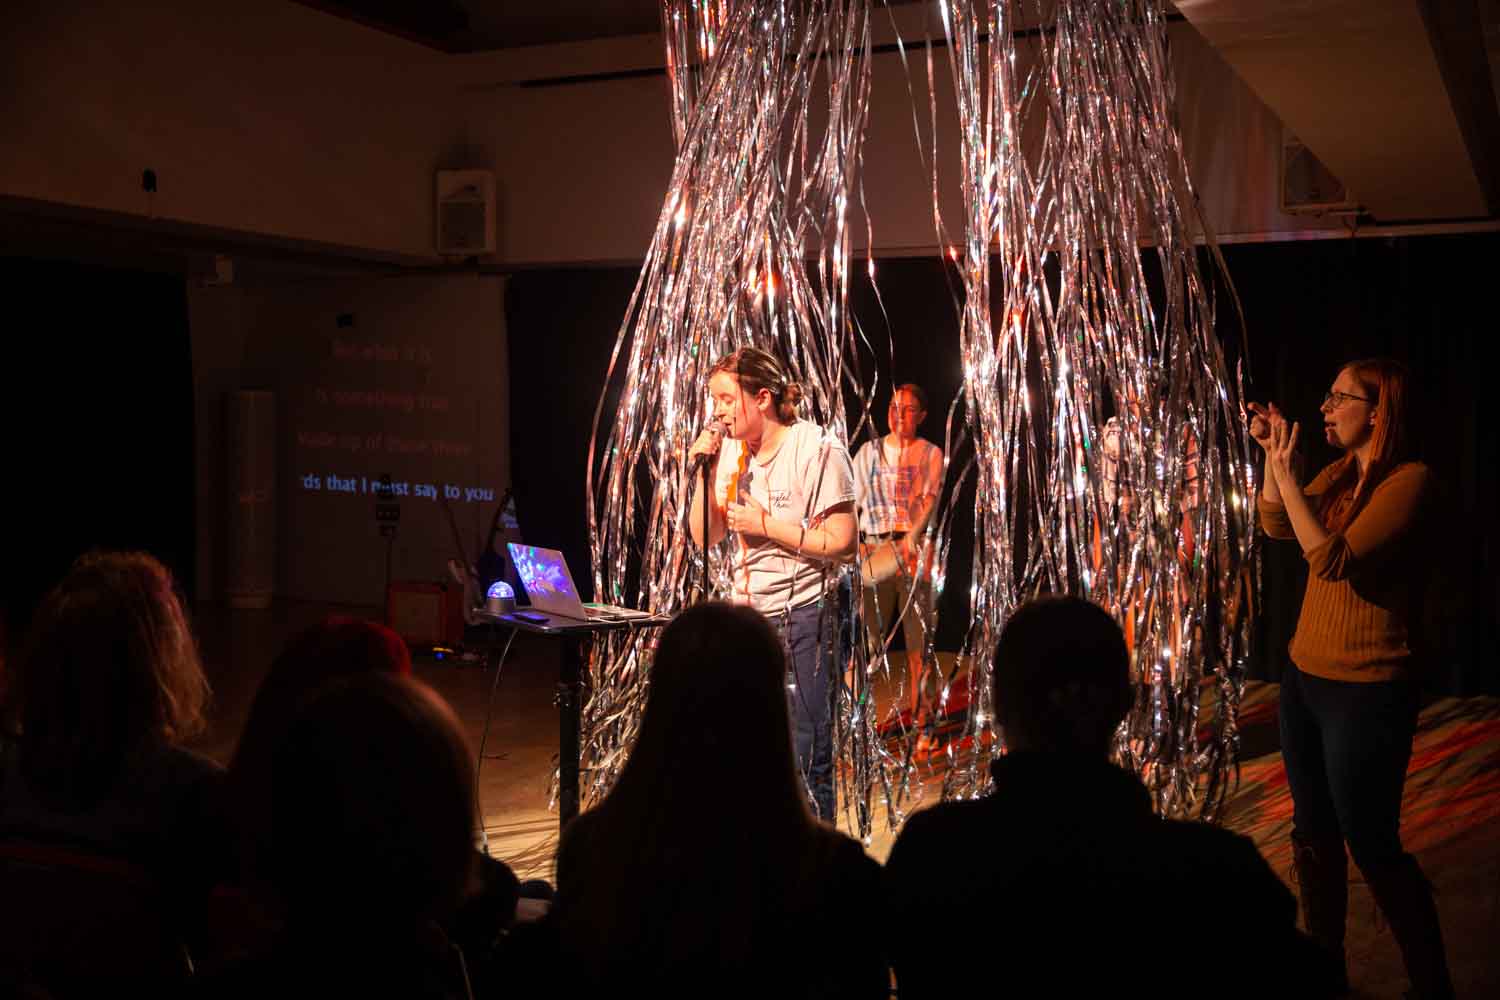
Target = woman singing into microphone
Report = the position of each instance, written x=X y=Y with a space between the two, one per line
x=785 y=488
x=1349 y=697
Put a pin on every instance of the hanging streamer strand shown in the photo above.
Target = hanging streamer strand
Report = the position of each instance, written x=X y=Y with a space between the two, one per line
x=1110 y=445
x=1110 y=456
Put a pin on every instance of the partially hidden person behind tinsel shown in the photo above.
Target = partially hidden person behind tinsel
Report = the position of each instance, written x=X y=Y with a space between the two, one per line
x=1064 y=865
x=785 y=490
x=703 y=872
x=99 y=707
x=368 y=846
x=897 y=478
x=1349 y=697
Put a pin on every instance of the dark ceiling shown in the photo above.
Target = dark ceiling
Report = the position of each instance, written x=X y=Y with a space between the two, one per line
x=483 y=25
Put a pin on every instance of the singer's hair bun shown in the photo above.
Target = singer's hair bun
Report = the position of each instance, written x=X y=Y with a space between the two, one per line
x=759 y=371
x=791 y=398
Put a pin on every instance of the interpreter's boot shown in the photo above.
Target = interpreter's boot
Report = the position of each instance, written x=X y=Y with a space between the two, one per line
x=1405 y=898
x=1322 y=873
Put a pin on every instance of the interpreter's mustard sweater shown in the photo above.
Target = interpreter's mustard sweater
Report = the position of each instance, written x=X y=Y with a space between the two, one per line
x=1364 y=584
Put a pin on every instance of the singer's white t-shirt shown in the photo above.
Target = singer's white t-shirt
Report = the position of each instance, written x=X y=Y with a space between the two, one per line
x=806 y=477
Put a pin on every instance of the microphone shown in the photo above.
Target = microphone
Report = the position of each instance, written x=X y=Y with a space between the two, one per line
x=716 y=428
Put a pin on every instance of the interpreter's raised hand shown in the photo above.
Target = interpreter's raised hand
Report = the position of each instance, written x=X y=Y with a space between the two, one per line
x=1260 y=423
x=1281 y=453
x=746 y=517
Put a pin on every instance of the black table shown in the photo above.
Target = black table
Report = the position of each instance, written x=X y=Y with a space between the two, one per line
x=574 y=634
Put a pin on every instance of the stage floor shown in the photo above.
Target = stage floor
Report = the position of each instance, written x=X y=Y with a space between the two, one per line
x=1450 y=817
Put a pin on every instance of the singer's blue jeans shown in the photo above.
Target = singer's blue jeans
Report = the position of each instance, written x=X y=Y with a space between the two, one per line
x=812 y=636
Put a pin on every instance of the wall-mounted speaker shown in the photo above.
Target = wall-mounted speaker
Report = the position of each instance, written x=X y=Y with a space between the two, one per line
x=465 y=213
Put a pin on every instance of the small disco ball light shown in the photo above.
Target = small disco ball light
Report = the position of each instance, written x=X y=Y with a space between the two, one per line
x=500 y=599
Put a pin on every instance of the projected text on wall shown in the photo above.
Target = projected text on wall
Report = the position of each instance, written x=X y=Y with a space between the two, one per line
x=364 y=421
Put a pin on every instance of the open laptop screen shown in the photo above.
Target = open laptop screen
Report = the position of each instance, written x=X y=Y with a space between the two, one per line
x=545 y=576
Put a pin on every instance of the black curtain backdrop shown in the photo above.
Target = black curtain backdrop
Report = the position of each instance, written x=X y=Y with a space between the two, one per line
x=1308 y=307
x=561 y=327
x=98 y=396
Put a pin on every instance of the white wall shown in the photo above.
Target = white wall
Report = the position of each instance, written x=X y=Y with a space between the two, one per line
x=269 y=117
x=257 y=115
x=589 y=180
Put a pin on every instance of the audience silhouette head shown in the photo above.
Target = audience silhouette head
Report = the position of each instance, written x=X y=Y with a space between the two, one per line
x=714 y=734
x=372 y=816
x=1061 y=677
x=1069 y=838
x=110 y=670
x=332 y=649
x=704 y=868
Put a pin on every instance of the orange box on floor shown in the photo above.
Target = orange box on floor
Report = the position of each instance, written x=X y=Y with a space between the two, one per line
x=425 y=614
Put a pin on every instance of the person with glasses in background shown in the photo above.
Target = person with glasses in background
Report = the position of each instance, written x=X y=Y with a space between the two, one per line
x=897 y=479
x=1349 y=698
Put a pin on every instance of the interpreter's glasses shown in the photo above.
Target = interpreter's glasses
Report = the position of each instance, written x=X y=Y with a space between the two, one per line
x=1333 y=400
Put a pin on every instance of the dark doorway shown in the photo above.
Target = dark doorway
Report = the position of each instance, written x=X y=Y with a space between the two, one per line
x=98 y=396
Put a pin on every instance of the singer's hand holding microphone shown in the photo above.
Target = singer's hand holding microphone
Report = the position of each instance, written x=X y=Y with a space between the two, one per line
x=745 y=517
x=707 y=445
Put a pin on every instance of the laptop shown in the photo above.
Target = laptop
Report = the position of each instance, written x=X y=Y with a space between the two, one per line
x=544 y=574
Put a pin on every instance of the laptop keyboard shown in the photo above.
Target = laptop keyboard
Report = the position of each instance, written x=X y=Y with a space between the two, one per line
x=611 y=612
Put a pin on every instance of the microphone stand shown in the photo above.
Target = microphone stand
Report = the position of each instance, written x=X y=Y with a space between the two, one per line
x=707 y=499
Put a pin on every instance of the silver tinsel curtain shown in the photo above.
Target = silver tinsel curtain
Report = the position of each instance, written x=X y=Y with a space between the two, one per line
x=752 y=247
x=1110 y=457
x=1111 y=453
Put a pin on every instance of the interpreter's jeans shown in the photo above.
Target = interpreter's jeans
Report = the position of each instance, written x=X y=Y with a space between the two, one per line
x=1346 y=746
x=812 y=635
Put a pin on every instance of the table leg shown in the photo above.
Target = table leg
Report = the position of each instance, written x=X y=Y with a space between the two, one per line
x=569 y=706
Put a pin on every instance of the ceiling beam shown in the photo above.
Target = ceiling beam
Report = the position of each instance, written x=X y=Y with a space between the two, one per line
x=1457 y=37
x=1359 y=82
